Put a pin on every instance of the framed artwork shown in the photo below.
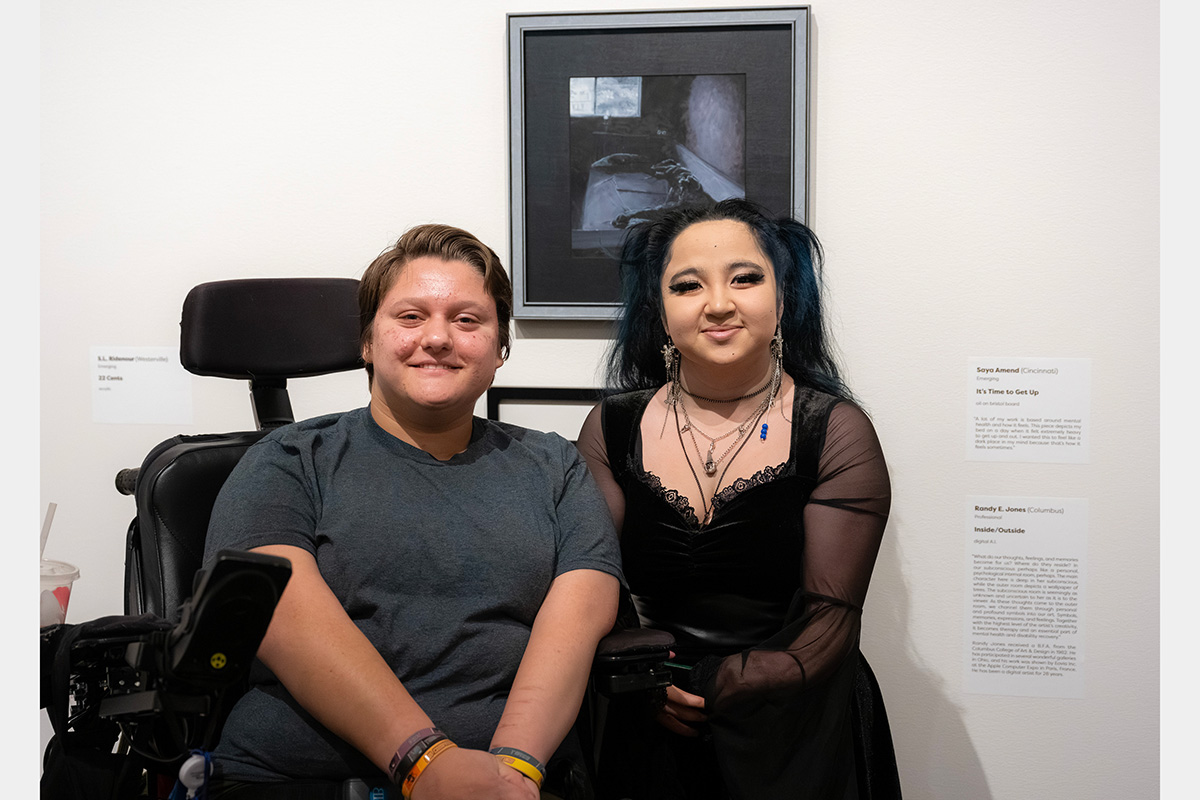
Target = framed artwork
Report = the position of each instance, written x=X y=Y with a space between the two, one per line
x=560 y=411
x=615 y=118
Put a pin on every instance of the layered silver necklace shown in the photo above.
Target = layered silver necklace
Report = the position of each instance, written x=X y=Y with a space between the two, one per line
x=708 y=461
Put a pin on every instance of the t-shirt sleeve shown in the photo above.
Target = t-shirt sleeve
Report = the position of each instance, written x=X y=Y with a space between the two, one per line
x=844 y=521
x=267 y=499
x=587 y=538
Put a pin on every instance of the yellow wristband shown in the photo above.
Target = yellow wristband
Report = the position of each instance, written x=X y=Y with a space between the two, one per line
x=435 y=750
x=522 y=766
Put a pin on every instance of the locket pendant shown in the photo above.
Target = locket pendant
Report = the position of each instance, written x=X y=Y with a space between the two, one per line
x=710 y=468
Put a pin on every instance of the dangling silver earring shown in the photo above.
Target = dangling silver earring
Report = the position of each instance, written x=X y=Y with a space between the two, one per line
x=777 y=373
x=671 y=362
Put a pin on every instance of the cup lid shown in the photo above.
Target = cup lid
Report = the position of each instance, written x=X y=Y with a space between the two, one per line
x=58 y=569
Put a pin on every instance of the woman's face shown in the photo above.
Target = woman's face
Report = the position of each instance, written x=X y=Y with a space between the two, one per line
x=435 y=340
x=720 y=303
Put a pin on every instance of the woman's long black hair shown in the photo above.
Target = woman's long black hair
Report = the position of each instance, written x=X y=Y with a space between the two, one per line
x=635 y=360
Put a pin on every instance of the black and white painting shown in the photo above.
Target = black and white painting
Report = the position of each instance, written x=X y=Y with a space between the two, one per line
x=642 y=145
x=615 y=118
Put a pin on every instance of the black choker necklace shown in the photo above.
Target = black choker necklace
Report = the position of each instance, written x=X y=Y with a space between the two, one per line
x=755 y=393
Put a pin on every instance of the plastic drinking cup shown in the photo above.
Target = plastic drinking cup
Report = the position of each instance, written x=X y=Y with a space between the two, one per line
x=57 y=577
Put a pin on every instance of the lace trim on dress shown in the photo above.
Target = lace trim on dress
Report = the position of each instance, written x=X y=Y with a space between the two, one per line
x=671 y=497
x=764 y=475
x=679 y=502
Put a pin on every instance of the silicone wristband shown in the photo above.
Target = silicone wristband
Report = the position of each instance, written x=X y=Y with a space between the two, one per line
x=435 y=750
x=522 y=762
x=407 y=753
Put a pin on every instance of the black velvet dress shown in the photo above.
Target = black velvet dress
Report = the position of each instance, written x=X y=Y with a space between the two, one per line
x=765 y=604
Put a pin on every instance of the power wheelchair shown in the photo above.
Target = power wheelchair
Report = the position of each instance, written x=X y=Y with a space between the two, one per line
x=133 y=698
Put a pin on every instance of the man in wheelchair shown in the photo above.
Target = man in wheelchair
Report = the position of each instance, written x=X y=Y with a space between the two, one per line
x=451 y=576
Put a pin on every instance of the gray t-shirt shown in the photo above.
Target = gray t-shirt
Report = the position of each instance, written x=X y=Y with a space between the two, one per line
x=442 y=564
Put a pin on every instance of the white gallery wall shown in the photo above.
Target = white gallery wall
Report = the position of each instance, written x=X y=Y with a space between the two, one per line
x=984 y=177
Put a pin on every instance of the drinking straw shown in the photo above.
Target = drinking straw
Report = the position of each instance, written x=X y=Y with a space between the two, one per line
x=46 y=526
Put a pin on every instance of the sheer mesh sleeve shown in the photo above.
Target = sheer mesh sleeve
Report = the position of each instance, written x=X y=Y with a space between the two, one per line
x=591 y=445
x=843 y=522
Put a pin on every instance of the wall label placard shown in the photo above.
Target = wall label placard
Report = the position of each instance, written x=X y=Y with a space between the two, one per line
x=1026 y=573
x=1029 y=409
x=140 y=385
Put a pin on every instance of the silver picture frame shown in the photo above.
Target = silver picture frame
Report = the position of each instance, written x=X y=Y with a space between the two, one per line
x=564 y=152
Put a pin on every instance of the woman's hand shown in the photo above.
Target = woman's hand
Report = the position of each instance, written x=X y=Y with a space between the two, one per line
x=682 y=713
x=462 y=774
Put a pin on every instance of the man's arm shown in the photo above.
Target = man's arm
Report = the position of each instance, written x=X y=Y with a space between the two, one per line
x=338 y=676
x=579 y=609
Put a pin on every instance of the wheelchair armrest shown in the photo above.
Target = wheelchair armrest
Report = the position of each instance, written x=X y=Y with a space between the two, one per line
x=632 y=660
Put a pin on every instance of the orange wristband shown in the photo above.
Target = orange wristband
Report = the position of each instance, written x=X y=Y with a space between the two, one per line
x=522 y=762
x=435 y=750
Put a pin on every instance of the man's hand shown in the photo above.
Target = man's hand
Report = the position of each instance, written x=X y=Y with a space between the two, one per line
x=523 y=783
x=462 y=774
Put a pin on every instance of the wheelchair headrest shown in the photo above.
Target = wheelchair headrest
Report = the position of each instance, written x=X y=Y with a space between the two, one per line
x=271 y=328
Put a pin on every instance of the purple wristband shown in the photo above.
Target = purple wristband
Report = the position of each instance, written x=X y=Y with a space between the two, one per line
x=408 y=753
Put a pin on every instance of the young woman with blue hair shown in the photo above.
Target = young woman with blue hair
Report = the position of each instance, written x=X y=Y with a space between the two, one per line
x=751 y=495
